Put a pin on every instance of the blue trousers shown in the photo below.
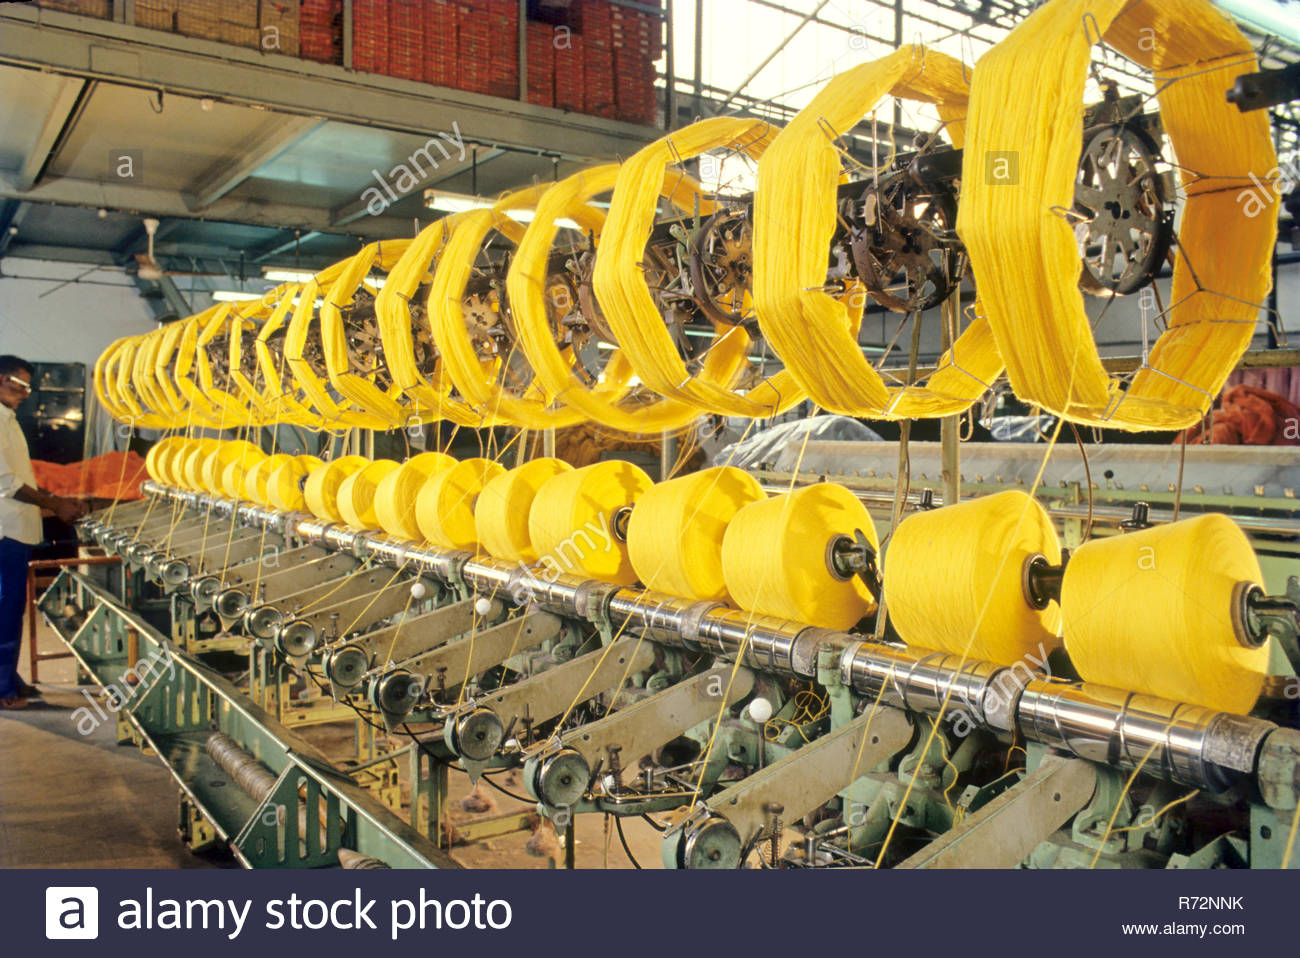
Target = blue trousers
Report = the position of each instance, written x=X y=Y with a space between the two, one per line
x=14 y=556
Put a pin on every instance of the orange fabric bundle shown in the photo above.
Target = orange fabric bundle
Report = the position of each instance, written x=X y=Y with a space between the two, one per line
x=114 y=475
x=1248 y=416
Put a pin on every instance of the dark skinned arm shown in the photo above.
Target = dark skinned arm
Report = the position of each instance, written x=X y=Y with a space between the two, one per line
x=66 y=509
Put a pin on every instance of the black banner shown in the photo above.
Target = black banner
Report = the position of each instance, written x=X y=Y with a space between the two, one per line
x=647 y=912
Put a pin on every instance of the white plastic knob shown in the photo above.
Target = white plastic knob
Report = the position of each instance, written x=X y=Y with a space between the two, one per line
x=760 y=710
x=482 y=605
x=418 y=589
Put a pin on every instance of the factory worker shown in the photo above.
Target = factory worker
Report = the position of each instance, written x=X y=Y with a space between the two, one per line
x=21 y=503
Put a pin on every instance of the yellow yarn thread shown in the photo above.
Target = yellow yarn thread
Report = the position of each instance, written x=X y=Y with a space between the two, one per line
x=675 y=535
x=356 y=496
x=775 y=556
x=571 y=522
x=1151 y=611
x=320 y=492
x=444 y=507
x=944 y=566
x=396 y=493
x=502 y=510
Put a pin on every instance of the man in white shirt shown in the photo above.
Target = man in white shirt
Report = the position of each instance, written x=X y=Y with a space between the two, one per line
x=21 y=503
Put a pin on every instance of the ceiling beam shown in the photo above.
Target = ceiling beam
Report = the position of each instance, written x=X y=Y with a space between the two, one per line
x=261 y=256
x=277 y=138
x=63 y=254
x=147 y=201
x=46 y=39
x=63 y=114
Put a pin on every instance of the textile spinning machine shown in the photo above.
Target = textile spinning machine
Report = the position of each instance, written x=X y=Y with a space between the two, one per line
x=770 y=669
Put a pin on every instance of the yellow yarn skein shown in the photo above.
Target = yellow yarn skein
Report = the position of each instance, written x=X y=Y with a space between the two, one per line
x=795 y=215
x=444 y=507
x=488 y=383
x=572 y=522
x=356 y=497
x=775 y=556
x=396 y=493
x=501 y=512
x=430 y=398
x=284 y=486
x=320 y=492
x=1152 y=611
x=624 y=295
x=1221 y=274
x=609 y=400
x=674 y=537
x=954 y=579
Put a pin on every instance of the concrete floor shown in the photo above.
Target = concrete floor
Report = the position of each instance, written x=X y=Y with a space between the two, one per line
x=74 y=801
x=69 y=800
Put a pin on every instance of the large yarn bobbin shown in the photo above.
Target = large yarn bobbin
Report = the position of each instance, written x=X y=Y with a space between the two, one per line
x=234 y=473
x=257 y=479
x=213 y=469
x=576 y=518
x=501 y=513
x=674 y=537
x=165 y=462
x=444 y=507
x=320 y=492
x=1152 y=611
x=285 y=484
x=776 y=556
x=356 y=498
x=395 y=496
x=956 y=579
x=189 y=464
x=162 y=446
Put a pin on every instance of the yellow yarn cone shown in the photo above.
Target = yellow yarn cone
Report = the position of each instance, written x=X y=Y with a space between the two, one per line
x=284 y=485
x=320 y=492
x=1151 y=611
x=444 y=507
x=356 y=497
x=396 y=493
x=573 y=519
x=954 y=579
x=775 y=556
x=501 y=513
x=674 y=537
